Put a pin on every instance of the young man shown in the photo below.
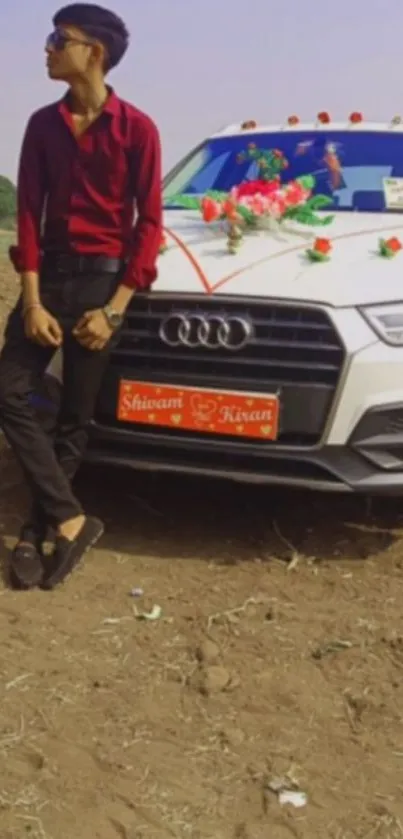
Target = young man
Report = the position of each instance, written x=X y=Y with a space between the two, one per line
x=87 y=162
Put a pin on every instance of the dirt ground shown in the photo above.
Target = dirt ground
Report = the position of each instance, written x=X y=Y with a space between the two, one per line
x=276 y=663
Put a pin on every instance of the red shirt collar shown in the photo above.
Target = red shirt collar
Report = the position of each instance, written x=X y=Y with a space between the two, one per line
x=111 y=105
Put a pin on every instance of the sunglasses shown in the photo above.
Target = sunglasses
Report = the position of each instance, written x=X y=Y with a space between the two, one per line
x=58 y=40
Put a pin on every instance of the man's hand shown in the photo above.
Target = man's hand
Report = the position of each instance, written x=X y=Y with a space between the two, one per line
x=42 y=328
x=93 y=331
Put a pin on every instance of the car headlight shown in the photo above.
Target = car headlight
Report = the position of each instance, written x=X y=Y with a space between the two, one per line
x=386 y=321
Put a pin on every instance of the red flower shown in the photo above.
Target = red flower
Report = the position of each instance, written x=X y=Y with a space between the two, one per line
x=211 y=210
x=277 y=153
x=256 y=188
x=295 y=194
x=389 y=247
x=319 y=251
x=293 y=120
x=356 y=117
x=393 y=244
x=323 y=246
x=229 y=208
x=323 y=117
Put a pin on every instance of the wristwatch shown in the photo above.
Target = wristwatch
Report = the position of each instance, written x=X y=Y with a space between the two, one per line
x=114 y=318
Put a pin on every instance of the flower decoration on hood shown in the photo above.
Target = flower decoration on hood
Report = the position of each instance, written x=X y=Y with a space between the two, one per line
x=323 y=118
x=390 y=247
x=261 y=203
x=320 y=250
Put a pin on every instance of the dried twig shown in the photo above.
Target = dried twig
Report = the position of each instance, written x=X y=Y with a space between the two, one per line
x=16 y=681
x=229 y=613
x=295 y=556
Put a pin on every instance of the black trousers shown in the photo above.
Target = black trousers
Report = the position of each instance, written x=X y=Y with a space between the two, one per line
x=50 y=462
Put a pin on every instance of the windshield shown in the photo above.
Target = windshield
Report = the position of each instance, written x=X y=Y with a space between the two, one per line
x=358 y=170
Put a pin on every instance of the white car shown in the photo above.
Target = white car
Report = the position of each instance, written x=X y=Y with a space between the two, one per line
x=260 y=362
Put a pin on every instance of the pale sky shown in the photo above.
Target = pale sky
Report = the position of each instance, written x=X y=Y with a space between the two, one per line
x=195 y=65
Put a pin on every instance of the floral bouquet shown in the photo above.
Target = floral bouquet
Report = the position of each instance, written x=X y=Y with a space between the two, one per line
x=263 y=203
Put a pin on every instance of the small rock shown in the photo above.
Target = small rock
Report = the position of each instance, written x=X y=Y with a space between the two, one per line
x=231 y=736
x=215 y=679
x=208 y=652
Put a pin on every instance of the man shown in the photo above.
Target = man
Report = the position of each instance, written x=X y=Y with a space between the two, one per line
x=86 y=163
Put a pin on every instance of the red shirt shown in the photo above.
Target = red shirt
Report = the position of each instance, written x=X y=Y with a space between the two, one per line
x=88 y=189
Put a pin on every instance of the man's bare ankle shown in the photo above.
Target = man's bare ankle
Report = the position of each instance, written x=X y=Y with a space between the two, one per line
x=69 y=529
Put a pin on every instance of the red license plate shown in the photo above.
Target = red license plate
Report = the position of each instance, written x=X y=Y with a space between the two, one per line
x=197 y=409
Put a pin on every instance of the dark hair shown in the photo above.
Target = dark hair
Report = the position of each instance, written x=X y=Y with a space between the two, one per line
x=97 y=23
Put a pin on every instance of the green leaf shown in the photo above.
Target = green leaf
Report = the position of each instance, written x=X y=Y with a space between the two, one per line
x=216 y=195
x=188 y=202
x=246 y=214
x=318 y=201
x=306 y=181
x=325 y=221
x=304 y=215
x=317 y=256
x=316 y=221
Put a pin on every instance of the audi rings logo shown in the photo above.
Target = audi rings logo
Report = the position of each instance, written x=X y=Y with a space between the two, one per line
x=209 y=331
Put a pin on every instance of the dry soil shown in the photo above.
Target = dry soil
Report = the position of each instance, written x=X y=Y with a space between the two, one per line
x=276 y=662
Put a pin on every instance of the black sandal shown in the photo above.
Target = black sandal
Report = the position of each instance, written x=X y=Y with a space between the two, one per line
x=26 y=562
x=68 y=553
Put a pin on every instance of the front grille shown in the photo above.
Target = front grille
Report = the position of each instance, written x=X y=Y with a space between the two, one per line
x=294 y=349
x=292 y=344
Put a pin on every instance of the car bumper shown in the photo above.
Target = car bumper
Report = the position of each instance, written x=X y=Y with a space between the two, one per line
x=367 y=464
x=360 y=450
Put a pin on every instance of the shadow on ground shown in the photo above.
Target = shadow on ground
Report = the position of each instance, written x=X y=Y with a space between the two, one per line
x=228 y=522
x=174 y=516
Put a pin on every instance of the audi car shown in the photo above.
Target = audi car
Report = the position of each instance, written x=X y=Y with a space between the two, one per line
x=262 y=363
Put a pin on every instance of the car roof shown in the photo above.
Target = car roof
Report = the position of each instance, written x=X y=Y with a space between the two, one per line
x=395 y=125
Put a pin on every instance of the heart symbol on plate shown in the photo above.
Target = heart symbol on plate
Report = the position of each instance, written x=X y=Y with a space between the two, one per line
x=176 y=418
x=202 y=408
x=266 y=429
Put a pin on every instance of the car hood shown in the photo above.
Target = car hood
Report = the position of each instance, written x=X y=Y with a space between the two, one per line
x=274 y=264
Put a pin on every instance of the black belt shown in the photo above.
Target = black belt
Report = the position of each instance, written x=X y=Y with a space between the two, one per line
x=74 y=263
